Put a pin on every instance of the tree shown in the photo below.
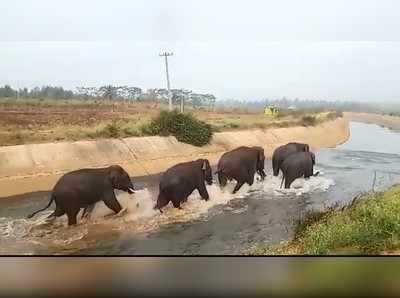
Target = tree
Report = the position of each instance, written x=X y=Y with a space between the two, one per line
x=7 y=91
x=109 y=92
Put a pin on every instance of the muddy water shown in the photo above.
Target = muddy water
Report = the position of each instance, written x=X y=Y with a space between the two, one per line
x=227 y=224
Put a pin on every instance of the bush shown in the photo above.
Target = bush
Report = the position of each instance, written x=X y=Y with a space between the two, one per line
x=334 y=115
x=111 y=130
x=185 y=127
x=309 y=120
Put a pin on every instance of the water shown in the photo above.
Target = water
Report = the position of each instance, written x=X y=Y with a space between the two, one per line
x=226 y=224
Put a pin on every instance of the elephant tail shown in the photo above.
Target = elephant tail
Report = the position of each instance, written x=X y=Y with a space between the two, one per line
x=316 y=174
x=48 y=205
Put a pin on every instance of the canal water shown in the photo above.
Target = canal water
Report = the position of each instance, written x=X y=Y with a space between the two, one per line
x=226 y=224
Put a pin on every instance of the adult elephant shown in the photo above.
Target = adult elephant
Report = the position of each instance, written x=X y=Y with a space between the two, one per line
x=84 y=187
x=282 y=152
x=298 y=165
x=241 y=164
x=179 y=181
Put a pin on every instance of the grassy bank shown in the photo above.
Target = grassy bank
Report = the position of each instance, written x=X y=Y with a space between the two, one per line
x=370 y=225
x=41 y=121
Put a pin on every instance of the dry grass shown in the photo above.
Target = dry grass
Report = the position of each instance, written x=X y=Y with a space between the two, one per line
x=41 y=121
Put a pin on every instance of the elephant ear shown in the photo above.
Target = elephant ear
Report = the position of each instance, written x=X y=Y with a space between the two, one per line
x=113 y=176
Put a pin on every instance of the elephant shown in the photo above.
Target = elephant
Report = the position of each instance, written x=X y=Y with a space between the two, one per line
x=179 y=181
x=241 y=164
x=298 y=165
x=282 y=152
x=83 y=188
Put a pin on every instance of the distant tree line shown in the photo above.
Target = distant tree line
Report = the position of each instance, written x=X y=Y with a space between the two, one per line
x=37 y=92
x=111 y=93
x=306 y=104
x=128 y=93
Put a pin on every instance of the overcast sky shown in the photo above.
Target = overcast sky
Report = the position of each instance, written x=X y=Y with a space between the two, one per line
x=338 y=49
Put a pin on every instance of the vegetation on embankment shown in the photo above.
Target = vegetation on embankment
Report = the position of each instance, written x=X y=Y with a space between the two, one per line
x=43 y=121
x=185 y=127
x=369 y=225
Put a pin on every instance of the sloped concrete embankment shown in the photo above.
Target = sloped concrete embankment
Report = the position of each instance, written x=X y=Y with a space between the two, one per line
x=36 y=167
x=391 y=122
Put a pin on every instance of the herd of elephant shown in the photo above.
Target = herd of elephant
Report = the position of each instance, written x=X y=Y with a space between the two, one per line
x=83 y=188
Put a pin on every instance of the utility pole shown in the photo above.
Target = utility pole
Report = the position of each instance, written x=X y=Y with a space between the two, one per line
x=182 y=103
x=165 y=55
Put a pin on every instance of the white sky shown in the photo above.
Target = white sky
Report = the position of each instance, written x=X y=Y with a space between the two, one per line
x=316 y=49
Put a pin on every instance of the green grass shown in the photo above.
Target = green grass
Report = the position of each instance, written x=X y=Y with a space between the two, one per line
x=117 y=129
x=369 y=226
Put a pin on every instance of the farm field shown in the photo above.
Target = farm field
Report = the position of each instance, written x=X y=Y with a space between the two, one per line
x=36 y=121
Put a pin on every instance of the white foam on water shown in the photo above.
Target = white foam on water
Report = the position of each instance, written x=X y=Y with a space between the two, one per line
x=272 y=185
x=138 y=205
x=139 y=215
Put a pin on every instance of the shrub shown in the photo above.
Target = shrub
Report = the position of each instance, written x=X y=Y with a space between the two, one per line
x=309 y=120
x=111 y=130
x=339 y=114
x=334 y=115
x=185 y=127
x=232 y=125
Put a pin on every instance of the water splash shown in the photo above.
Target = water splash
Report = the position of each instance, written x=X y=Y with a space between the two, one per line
x=139 y=215
x=299 y=187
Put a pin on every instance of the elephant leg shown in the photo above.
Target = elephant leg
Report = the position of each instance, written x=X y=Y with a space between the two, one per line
x=162 y=201
x=308 y=172
x=57 y=213
x=177 y=204
x=203 y=192
x=275 y=167
x=275 y=172
x=262 y=174
x=222 y=179
x=288 y=182
x=88 y=211
x=72 y=216
x=238 y=186
x=250 y=178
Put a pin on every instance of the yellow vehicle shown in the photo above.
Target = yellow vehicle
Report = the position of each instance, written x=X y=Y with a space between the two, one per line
x=271 y=111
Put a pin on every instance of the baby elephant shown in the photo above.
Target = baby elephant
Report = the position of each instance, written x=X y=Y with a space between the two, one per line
x=179 y=181
x=298 y=165
x=282 y=152
x=83 y=188
x=241 y=164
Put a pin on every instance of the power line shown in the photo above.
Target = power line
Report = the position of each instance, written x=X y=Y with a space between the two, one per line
x=166 y=55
